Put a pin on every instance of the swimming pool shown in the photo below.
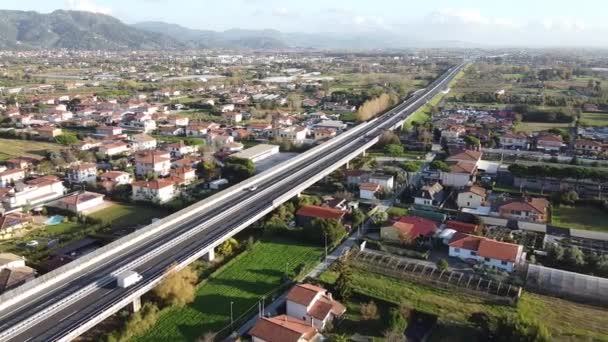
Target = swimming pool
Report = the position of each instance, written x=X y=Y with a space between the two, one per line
x=54 y=220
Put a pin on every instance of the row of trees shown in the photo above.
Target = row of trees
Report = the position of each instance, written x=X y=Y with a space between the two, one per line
x=573 y=259
x=375 y=106
x=548 y=171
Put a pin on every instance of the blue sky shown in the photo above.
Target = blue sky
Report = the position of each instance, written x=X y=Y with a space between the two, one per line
x=527 y=22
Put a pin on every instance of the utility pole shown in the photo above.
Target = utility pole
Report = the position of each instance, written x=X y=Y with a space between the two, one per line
x=325 y=247
x=231 y=316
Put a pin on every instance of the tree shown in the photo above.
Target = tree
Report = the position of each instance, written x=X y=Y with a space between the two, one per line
x=439 y=165
x=388 y=138
x=369 y=311
x=379 y=217
x=394 y=150
x=472 y=141
x=321 y=228
x=237 y=169
x=574 y=257
x=442 y=264
x=228 y=247
x=397 y=322
x=357 y=217
x=208 y=170
x=178 y=288
x=275 y=225
x=45 y=167
x=412 y=166
x=344 y=280
x=66 y=139
x=555 y=252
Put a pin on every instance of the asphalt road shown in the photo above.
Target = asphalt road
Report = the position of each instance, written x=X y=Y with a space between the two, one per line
x=235 y=211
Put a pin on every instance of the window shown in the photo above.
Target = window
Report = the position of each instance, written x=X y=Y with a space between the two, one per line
x=486 y=259
x=503 y=263
x=473 y=253
x=457 y=250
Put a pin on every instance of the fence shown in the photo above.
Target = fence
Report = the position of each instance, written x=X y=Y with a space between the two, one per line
x=424 y=273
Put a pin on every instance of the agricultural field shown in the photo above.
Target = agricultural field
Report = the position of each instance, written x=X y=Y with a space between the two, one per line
x=454 y=308
x=243 y=282
x=586 y=218
x=18 y=148
x=122 y=215
x=594 y=119
x=531 y=127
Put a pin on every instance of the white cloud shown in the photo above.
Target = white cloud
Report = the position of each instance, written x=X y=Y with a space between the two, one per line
x=281 y=12
x=86 y=5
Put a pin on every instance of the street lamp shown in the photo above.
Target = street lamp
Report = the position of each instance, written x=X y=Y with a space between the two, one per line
x=326 y=247
x=231 y=317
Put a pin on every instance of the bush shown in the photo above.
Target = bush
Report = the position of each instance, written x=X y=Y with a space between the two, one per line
x=396 y=320
x=369 y=311
x=442 y=264
x=139 y=323
x=396 y=212
x=178 y=288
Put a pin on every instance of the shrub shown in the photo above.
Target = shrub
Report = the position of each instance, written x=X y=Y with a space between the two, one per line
x=369 y=311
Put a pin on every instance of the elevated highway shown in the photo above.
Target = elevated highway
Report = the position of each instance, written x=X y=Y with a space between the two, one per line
x=66 y=302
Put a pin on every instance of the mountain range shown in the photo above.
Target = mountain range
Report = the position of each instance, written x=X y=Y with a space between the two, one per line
x=93 y=31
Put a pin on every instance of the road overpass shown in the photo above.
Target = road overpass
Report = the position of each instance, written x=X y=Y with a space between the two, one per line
x=66 y=302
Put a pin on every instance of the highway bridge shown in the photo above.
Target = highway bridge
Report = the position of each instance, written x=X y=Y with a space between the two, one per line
x=68 y=301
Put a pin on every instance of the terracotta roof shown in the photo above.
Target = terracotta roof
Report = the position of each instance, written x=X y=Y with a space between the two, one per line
x=539 y=205
x=419 y=226
x=304 y=293
x=10 y=172
x=10 y=278
x=83 y=166
x=462 y=226
x=282 y=329
x=463 y=167
x=113 y=174
x=369 y=186
x=477 y=190
x=154 y=184
x=320 y=212
x=485 y=247
x=467 y=155
x=518 y=135
x=142 y=137
x=548 y=137
x=78 y=198
x=42 y=181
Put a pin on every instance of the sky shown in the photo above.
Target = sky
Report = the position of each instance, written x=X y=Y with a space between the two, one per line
x=512 y=22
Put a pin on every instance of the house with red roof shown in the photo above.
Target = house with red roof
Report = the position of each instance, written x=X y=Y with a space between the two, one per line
x=283 y=328
x=158 y=190
x=490 y=253
x=368 y=191
x=527 y=209
x=463 y=168
x=408 y=228
x=471 y=197
x=308 y=213
x=514 y=140
x=549 y=142
x=314 y=305
x=463 y=227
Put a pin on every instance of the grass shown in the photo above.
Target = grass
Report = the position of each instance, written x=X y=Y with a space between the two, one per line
x=586 y=218
x=352 y=322
x=243 y=281
x=17 y=148
x=397 y=212
x=530 y=127
x=128 y=215
x=62 y=228
x=594 y=119
x=453 y=308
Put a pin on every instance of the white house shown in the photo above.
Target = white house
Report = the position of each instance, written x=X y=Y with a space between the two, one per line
x=111 y=179
x=293 y=134
x=158 y=162
x=471 y=197
x=313 y=304
x=490 y=253
x=178 y=120
x=108 y=130
x=13 y=271
x=143 y=141
x=514 y=140
x=159 y=190
x=11 y=176
x=183 y=175
x=114 y=148
x=387 y=182
x=180 y=149
x=430 y=195
x=33 y=192
x=83 y=173
x=80 y=202
x=283 y=328
x=227 y=108
x=368 y=191
x=233 y=117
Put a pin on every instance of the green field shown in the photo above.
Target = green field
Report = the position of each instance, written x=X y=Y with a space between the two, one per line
x=594 y=119
x=586 y=218
x=17 y=148
x=530 y=127
x=242 y=281
x=454 y=308
x=129 y=215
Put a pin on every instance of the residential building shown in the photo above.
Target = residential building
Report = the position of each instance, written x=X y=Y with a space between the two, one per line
x=227 y=108
x=590 y=147
x=111 y=179
x=183 y=175
x=430 y=195
x=154 y=161
x=10 y=177
x=13 y=271
x=159 y=190
x=514 y=140
x=408 y=229
x=83 y=173
x=314 y=305
x=283 y=328
x=463 y=167
x=11 y=223
x=293 y=134
x=549 y=142
x=308 y=213
x=233 y=117
x=471 y=197
x=529 y=209
x=387 y=182
x=368 y=191
x=180 y=149
x=33 y=192
x=324 y=133
x=177 y=120
x=463 y=227
x=49 y=132
x=453 y=132
x=79 y=202
x=356 y=177
x=490 y=253
x=142 y=142
x=172 y=131
x=114 y=148
x=108 y=130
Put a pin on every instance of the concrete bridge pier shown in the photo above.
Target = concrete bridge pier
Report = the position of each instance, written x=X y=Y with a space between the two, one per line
x=210 y=256
x=136 y=304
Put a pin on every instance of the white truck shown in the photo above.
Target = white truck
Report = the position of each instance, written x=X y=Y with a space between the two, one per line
x=127 y=278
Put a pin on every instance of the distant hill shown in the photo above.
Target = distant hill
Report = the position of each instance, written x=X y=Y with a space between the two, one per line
x=74 y=30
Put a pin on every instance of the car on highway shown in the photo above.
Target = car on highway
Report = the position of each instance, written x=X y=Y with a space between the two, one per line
x=127 y=279
x=252 y=188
